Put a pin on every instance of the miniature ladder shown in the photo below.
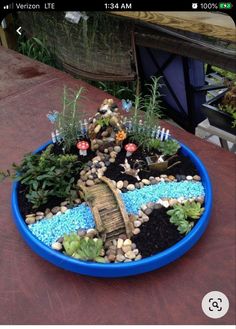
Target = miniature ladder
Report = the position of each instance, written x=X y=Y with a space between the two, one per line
x=108 y=209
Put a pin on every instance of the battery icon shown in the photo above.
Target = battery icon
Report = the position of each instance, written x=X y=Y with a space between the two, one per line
x=225 y=5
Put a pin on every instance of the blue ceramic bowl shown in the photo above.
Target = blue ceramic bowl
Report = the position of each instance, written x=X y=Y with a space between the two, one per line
x=120 y=269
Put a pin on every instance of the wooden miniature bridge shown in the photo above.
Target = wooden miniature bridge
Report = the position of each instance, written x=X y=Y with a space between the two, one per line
x=108 y=209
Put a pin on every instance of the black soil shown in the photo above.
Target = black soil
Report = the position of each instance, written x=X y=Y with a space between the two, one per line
x=26 y=207
x=157 y=234
x=114 y=171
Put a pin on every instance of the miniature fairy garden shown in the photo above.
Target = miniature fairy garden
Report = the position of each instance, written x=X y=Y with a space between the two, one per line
x=112 y=188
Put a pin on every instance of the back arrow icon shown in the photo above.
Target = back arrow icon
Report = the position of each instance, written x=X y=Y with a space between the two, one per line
x=18 y=30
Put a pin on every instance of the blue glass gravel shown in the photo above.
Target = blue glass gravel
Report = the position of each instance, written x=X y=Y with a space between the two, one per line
x=135 y=199
x=49 y=230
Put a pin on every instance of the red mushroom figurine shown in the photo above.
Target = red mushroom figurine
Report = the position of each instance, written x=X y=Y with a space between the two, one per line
x=82 y=146
x=130 y=149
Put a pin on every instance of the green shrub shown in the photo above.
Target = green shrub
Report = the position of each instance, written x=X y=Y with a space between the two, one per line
x=48 y=175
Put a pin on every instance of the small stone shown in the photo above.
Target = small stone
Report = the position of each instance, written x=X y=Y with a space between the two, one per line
x=196 y=177
x=112 y=258
x=130 y=254
x=106 y=151
x=127 y=242
x=136 y=231
x=30 y=215
x=77 y=201
x=113 y=154
x=172 y=202
x=131 y=187
x=60 y=240
x=110 y=149
x=97 y=129
x=112 y=160
x=143 y=207
x=89 y=182
x=120 y=184
x=171 y=177
x=56 y=246
x=39 y=213
x=126 y=248
x=127 y=260
x=151 y=205
x=140 y=213
x=148 y=211
x=189 y=177
x=108 y=244
x=137 y=185
x=39 y=217
x=112 y=248
x=63 y=209
x=102 y=253
x=30 y=220
x=163 y=176
x=49 y=215
x=200 y=199
x=46 y=211
x=117 y=149
x=153 y=181
x=120 y=258
x=114 y=243
x=123 y=236
x=81 y=232
x=125 y=183
x=136 y=252
x=146 y=181
x=82 y=173
x=145 y=218
x=132 y=217
x=157 y=206
x=55 y=210
x=180 y=199
x=91 y=233
x=119 y=243
x=137 y=223
x=64 y=203
x=119 y=251
x=105 y=133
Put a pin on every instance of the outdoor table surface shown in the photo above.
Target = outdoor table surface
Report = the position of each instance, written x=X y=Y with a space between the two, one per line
x=33 y=291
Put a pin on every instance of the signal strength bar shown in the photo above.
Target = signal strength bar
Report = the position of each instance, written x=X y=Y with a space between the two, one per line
x=10 y=6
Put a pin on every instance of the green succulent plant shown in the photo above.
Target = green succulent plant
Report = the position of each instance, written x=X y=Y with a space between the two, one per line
x=83 y=248
x=71 y=243
x=181 y=214
x=169 y=147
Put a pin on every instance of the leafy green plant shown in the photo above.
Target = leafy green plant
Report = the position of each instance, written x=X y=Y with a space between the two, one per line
x=48 y=175
x=182 y=213
x=169 y=147
x=36 y=48
x=68 y=121
x=83 y=248
x=151 y=105
x=117 y=89
x=231 y=110
x=103 y=122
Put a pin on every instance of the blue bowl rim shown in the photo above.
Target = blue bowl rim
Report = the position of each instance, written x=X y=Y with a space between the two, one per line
x=120 y=269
